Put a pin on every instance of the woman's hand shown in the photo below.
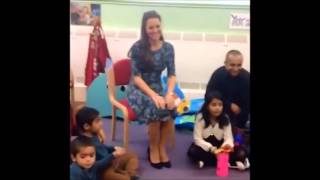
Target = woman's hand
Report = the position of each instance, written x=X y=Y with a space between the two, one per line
x=170 y=101
x=158 y=101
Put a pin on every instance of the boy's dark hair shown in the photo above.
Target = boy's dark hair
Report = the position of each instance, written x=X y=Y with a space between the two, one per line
x=79 y=142
x=85 y=115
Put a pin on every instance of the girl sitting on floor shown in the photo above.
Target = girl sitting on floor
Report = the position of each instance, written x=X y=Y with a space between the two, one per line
x=212 y=131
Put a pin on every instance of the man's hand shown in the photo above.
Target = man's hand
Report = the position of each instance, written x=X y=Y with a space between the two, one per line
x=235 y=108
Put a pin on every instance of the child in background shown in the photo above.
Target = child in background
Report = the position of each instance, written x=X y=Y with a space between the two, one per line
x=123 y=166
x=212 y=131
x=239 y=158
x=85 y=166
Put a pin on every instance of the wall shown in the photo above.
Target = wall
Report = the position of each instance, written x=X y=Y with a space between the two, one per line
x=213 y=19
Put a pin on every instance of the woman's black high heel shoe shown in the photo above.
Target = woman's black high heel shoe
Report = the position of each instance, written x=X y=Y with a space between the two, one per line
x=154 y=165
x=166 y=164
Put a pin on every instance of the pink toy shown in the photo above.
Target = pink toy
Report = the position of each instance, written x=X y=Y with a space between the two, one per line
x=222 y=164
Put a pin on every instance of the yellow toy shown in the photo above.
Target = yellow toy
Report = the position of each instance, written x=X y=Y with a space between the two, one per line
x=183 y=105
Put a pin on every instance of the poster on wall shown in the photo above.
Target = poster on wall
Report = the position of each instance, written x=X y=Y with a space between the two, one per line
x=239 y=21
x=84 y=13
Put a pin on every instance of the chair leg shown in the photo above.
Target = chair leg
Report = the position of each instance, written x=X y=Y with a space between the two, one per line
x=113 y=123
x=126 y=132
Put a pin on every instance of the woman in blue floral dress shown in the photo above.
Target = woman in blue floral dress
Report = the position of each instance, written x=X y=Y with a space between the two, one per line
x=150 y=56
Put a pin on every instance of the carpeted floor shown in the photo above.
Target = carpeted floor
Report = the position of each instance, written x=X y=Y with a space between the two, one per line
x=181 y=167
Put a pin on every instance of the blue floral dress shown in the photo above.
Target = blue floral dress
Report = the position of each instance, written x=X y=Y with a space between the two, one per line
x=141 y=103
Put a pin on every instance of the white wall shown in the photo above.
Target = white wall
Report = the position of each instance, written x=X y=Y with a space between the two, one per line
x=197 y=56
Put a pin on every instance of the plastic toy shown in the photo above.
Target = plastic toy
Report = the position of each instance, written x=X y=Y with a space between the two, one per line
x=185 y=121
x=182 y=105
x=176 y=89
x=222 y=164
x=97 y=96
x=238 y=140
x=195 y=105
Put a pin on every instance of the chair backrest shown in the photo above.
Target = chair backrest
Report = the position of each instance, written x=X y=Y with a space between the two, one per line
x=122 y=72
x=118 y=75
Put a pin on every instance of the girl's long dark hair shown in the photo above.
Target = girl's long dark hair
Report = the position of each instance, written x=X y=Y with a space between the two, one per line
x=143 y=42
x=222 y=119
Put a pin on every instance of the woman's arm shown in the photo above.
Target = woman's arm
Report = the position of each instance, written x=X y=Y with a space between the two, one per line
x=169 y=98
x=143 y=86
x=171 y=84
x=171 y=72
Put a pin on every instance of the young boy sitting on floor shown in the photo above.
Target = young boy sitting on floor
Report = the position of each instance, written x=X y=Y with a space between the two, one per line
x=121 y=165
x=85 y=166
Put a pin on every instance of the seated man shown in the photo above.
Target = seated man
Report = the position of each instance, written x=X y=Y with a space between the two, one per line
x=233 y=82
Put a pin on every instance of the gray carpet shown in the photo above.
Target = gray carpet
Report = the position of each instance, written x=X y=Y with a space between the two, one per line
x=181 y=167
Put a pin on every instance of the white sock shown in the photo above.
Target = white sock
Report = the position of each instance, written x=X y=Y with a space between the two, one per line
x=200 y=164
x=246 y=162
x=240 y=165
